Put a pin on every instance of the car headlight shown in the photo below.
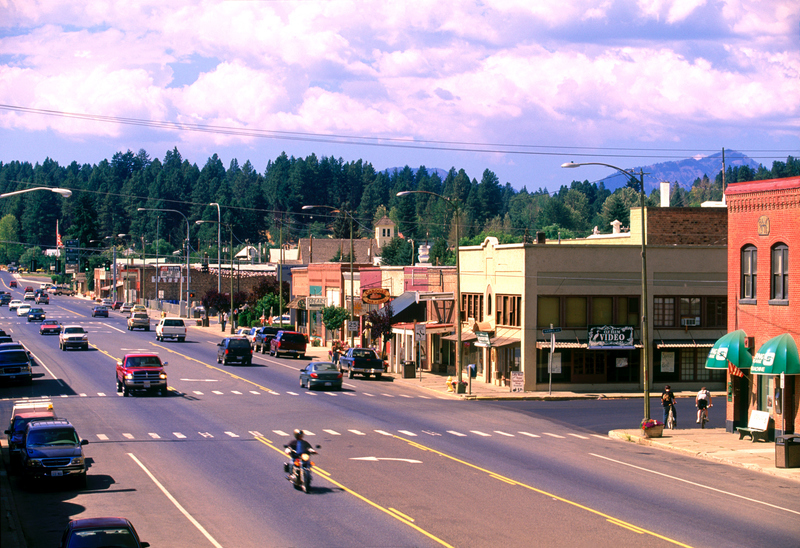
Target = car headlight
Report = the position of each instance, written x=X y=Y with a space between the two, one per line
x=163 y=376
x=85 y=338
x=129 y=376
x=34 y=463
x=76 y=460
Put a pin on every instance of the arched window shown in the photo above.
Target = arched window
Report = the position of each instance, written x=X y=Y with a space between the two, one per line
x=749 y=271
x=780 y=273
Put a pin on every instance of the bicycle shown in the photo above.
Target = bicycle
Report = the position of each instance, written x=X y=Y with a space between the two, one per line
x=703 y=417
x=671 y=422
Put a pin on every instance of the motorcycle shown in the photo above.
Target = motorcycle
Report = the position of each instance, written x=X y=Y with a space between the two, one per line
x=299 y=469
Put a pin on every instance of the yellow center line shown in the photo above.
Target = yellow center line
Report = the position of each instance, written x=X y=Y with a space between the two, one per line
x=494 y=475
x=237 y=377
x=402 y=518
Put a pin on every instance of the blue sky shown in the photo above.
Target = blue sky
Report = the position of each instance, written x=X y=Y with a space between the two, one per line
x=514 y=86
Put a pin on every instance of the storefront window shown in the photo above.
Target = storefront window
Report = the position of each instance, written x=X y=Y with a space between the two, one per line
x=602 y=310
x=780 y=273
x=749 y=271
x=548 y=311
x=664 y=311
x=576 y=312
x=716 y=312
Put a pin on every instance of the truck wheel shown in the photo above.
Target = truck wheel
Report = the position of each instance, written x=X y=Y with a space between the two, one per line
x=350 y=374
x=181 y=339
x=366 y=375
x=377 y=375
x=147 y=328
x=263 y=349
x=125 y=392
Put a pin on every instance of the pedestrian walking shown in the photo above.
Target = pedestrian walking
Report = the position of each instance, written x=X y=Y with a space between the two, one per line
x=668 y=402
x=223 y=318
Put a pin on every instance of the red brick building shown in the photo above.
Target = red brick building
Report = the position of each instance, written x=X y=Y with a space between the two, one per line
x=764 y=293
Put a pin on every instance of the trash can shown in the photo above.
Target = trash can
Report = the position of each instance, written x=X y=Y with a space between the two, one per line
x=195 y=313
x=409 y=370
x=787 y=451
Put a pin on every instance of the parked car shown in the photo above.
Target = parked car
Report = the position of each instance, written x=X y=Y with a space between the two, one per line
x=125 y=308
x=90 y=532
x=14 y=304
x=53 y=449
x=64 y=290
x=171 y=328
x=42 y=298
x=362 y=361
x=116 y=305
x=15 y=365
x=107 y=302
x=49 y=327
x=139 y=320
x=99 y=311
x=22 y=414
x=234 y=349
x=29 y=296
x=288 y=342
x=141 y=372
x=73 y=336
x=263 y=337
x=320 y=375
x=250 y=334
x=13 y=283
x=36 y=314
x=23 y=309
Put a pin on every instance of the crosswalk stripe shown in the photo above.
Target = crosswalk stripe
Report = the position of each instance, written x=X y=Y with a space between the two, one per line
x=293 y=393
x=407 y=433
x=217 y=392
x=198 y=393
x=348 y=393
x=357 y=432
x=102 y=437
x=405 y=396
x=504 y=433
x=478 y=432
x=154 y=436
x=232 y=434
x=236 y=392
x=206 y=434
x=256 y=393
x=368 y=394
x=387 y=395
x=179 y=435
x=281 y=433
x=553 y=435
x=424 y=397
x=309 y=433
x=332 y=432
x=255 y=434
x=309 y=393
x=459 y=434
x=383 y=433
x=101 y=394
x=332 y=394
x=578 y=436
x=529 y=434
x=82 y=395
x=126 y=435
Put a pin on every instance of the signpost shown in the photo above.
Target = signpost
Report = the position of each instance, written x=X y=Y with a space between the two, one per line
x=517 y=381
x=552 y=331
x=419 y=337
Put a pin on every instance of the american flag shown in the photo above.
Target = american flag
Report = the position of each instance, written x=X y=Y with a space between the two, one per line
x=734 y=371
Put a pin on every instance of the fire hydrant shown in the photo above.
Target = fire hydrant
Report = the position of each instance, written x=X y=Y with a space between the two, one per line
x=449 y=384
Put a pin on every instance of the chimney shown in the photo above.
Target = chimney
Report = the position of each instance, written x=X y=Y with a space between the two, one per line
x=664 y=194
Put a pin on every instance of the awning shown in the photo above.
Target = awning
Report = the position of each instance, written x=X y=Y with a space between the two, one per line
x=545 y=345
x=466 y=336
x=777 y=355
x=729 y=348
x=297 y=302
x=503 y=341
x=684 y=343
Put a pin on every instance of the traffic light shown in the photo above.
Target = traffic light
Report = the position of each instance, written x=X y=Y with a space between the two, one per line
x=107 y=266
x=191 y=294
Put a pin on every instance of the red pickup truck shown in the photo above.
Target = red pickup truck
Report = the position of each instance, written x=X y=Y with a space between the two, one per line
x=141 y=372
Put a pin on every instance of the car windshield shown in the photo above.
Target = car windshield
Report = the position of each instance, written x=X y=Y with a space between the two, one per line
x=363 y=353
x=55 y=436
x=325 y=367
x=13 y=356
x=239 y=343
x=36 y=310
x=99 y=538
x=144 y=361
x=74 y=330
x=174 y=323
x=294 y=338
x=140 y=316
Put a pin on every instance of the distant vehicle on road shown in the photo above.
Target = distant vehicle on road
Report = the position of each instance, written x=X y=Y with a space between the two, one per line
x=139 y=320
x=49 y=327
x=14 y=304
x=73 y=336
x=15 y=365
x=13 y=283
x=36 y=314
x=234 y=349
x=88 y=532
x=288 y=342
x=53 y=449
x=23 y=309
x=125 y=308
x=29 y=296
x=362 y=361
x=263 y=337
x=99 y=311
x=42 y=298
x=171 y=328
x=321 y=375
x=141 y=372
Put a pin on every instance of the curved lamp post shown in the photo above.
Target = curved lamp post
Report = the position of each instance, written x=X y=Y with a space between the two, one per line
x=352 y=296
x=63 y=191
x=645 y=331
x=188 y=252
x=230 y=227
x=454 y=204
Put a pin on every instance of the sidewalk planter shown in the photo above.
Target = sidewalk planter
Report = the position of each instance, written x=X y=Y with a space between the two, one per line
x=653 y=431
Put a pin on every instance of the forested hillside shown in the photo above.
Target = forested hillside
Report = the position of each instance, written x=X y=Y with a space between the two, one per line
x=256 y=204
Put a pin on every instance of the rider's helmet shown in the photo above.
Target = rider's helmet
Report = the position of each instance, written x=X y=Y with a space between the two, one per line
x=298 y=434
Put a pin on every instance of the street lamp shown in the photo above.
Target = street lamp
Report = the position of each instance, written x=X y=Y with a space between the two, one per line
x=219 y=247
x=188 y=252
x=230 y=228
x=645 y=332
x=454 y=204
x=352 y=296
x=113 y=260
x=63 y=191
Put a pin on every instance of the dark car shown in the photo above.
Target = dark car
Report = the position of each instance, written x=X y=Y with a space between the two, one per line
x=36 y=315
x=5 y=298
x=53 y=450
x=288 y=342
x=234 y=349
x=49 y=327
x=92 y=532
x=99 y=311
x=321 y=375
x=263 y=337
x=15 y=365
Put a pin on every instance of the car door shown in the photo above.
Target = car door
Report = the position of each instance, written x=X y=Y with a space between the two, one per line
x=305 y=373
x=221 y=349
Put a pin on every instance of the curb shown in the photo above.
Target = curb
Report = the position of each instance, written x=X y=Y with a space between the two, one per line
x=10 y=527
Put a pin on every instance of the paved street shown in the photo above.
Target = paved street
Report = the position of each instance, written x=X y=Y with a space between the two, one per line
x=401 y=462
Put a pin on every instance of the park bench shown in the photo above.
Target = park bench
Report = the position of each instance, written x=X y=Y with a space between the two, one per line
x=757 y=426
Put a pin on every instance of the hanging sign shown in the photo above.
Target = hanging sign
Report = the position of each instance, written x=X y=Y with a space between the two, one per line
x=610 y=337
x=374 y=295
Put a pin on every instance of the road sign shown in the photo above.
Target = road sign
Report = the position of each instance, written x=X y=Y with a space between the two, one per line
x=551 y=330
x=419 y=332
x=352 y=326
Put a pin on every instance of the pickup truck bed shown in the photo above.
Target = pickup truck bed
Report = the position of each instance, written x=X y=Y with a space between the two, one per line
x=361 y=361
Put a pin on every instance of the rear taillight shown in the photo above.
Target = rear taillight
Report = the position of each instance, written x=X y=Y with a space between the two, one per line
x=313 y=375
x=339 y=376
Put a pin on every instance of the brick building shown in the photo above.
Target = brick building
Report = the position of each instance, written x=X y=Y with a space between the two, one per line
x=763 y=232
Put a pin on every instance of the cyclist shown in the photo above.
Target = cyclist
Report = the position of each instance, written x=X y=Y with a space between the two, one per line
x=702 y=402
x=667 y=402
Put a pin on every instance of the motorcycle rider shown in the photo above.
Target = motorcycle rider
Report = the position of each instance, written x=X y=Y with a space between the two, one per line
x=298 y=445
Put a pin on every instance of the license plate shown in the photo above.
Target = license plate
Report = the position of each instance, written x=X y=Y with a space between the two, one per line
x=147 y=384
x=327 y=384
x=56 y=473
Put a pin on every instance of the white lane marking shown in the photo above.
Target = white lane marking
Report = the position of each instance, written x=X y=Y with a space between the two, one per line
x=504 y=433
x=102 y=437
x=459 y=434
x=387 y=395
x=179 y=435
x=217 y=392
x=357 y=432
x=255 y=392
x=154 y=436
x=175 y=502
x=348 y=393
x=383 y=433
x=63 y=395
x=198 y=393
x=370 y=395
x=478 y=432
x=309 y=393
x=331 y=394
x=553 y=435
x=40 y=362
x=578 y=436
x=405 y=396
x=232 y=434
x=332 y=432
x=236 y=392
x=431 y=433
x=292 y=393
x=281 y=433
x=407 y=433
x=601 y=437
x=101 y=394
x=696 y=484
x=206 y=434
x=112 y=327
x=309 y=433
x=255 y=434
x=529 y=434
x=424 y=397
x=126 y=435
x=82 y=395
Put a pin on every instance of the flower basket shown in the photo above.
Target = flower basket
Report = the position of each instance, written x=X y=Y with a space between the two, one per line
x=653 y=431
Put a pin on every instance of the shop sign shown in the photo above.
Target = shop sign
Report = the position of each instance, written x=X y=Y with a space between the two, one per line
x=517 y=381
x=610 y=336
x=374 y=295
x=315 y=302
x=483 y=339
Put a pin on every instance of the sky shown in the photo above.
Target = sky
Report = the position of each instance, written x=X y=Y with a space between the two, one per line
x=514 y=86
